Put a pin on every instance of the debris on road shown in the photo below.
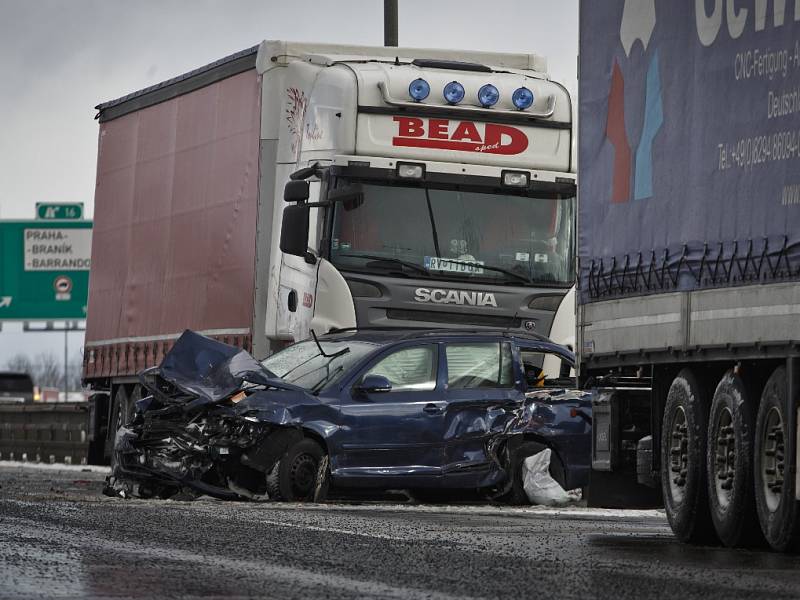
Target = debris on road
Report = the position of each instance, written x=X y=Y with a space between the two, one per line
x=539 y=485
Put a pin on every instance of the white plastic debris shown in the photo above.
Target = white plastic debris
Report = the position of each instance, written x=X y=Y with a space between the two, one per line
x=539 y=486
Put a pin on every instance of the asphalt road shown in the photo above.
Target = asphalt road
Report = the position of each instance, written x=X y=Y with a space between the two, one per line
x=60 y=538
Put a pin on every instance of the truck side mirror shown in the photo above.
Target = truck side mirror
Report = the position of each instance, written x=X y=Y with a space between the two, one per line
x=294 y=229
x=296 y=191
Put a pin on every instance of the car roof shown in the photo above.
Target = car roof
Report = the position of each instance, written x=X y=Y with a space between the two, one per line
x=389 y=335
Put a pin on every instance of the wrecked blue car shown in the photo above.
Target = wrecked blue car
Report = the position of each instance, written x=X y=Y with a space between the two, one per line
x=420 y=410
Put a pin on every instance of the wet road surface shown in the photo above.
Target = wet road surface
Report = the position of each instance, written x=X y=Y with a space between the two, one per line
x=61 y=538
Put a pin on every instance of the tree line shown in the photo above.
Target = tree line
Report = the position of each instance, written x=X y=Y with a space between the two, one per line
x=47 y=370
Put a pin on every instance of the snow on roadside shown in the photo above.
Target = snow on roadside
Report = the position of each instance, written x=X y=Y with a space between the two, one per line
x=15 y=464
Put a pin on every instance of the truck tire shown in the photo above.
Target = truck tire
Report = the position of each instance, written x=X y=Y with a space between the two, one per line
x=774 y=481
x=120 y=415
x=729 y=464
x=683 y=460
x=301 y=475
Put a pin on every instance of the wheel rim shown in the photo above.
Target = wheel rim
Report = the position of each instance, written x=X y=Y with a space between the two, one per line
x=725 y=457
x=772 y=459
x=678 y=455
x=303 y=475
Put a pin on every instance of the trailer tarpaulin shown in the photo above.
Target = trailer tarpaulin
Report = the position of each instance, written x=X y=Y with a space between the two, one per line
x=175 y=222
x=689 y=150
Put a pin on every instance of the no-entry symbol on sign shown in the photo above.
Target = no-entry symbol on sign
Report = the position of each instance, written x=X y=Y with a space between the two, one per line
x=62 y=286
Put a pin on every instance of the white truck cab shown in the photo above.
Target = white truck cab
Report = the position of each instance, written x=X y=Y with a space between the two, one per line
x=428 y=188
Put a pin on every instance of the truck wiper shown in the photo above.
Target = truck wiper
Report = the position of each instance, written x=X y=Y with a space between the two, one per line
x=398 y=261
x=519 y=276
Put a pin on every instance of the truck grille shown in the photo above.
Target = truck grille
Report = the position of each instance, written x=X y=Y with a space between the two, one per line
x=429 y=316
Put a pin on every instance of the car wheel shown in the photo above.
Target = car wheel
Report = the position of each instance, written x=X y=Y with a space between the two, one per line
x=683 y=460
x=774 y=482
x=729 y=460
x=517 y=495
x=301 y=475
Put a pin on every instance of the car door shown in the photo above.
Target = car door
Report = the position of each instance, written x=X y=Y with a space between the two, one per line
x=394 y=435
x=482 y=391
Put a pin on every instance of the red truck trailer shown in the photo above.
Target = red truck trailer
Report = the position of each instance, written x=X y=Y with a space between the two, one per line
x=465 y=215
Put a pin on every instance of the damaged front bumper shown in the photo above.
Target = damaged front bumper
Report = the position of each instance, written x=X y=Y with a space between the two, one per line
x=215 y=423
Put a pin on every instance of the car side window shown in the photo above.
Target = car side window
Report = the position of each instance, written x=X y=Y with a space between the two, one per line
x=479 y=365
x=410 y=369
x=544 y=369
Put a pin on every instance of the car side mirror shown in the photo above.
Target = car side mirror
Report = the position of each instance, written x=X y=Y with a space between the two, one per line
x=296 y=191
x=374 y=384
x=294 y=230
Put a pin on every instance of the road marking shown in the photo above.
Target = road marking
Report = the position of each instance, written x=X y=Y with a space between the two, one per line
x=79 y=538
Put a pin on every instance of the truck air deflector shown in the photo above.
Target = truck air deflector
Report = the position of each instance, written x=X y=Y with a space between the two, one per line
x=178 y=86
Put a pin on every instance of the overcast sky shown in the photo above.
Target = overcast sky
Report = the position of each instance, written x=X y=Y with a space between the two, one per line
x=60 y=58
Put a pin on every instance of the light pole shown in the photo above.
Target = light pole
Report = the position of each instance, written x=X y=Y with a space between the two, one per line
x=390 y=22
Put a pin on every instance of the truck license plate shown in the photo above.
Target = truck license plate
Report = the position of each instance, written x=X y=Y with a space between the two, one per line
x=434 y=263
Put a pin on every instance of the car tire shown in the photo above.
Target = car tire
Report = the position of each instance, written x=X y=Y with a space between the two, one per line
x=776 y=506
x=729 y=463
x=683 y=460
x=301 y=474
x=517 y=495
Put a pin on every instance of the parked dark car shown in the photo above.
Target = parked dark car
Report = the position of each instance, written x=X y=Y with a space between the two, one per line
x=388 y=409
x=15 y=388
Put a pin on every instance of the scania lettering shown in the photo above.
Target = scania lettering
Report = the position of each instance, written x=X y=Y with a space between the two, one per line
x=461 y=297
x=295 y=187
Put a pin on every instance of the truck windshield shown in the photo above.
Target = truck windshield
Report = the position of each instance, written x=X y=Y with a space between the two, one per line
x=455 y=233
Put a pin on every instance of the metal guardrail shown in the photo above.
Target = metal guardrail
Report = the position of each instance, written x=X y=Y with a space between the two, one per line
x=47 y=432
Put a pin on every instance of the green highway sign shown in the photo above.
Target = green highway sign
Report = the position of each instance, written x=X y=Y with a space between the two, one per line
x=60 y=211
x=44 y=269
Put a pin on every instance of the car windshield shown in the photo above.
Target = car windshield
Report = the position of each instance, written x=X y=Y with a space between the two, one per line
x=303 y=365
x=455 y=233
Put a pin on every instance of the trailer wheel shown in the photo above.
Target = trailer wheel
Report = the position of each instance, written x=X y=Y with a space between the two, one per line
x=120 y=414
x=683 y=458
x=301 y=475
x=774 y=481
x=729 y=463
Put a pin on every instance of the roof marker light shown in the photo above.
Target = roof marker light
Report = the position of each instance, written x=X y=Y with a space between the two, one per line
x=410 y=170
x=522 y=98
x=515 y=178
x=488 y=95
x=453 y=92
x=419 y=90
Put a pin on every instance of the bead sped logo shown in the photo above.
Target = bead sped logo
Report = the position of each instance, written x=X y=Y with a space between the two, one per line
x=464 y=136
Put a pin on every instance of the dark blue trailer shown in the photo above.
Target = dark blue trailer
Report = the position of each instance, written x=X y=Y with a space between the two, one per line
x=689 y=293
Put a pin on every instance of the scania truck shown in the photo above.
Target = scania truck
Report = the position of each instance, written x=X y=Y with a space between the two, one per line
x=689 y=286
x=295 y=187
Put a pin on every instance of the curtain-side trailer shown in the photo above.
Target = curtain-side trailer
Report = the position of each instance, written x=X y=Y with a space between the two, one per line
x=689 y=291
